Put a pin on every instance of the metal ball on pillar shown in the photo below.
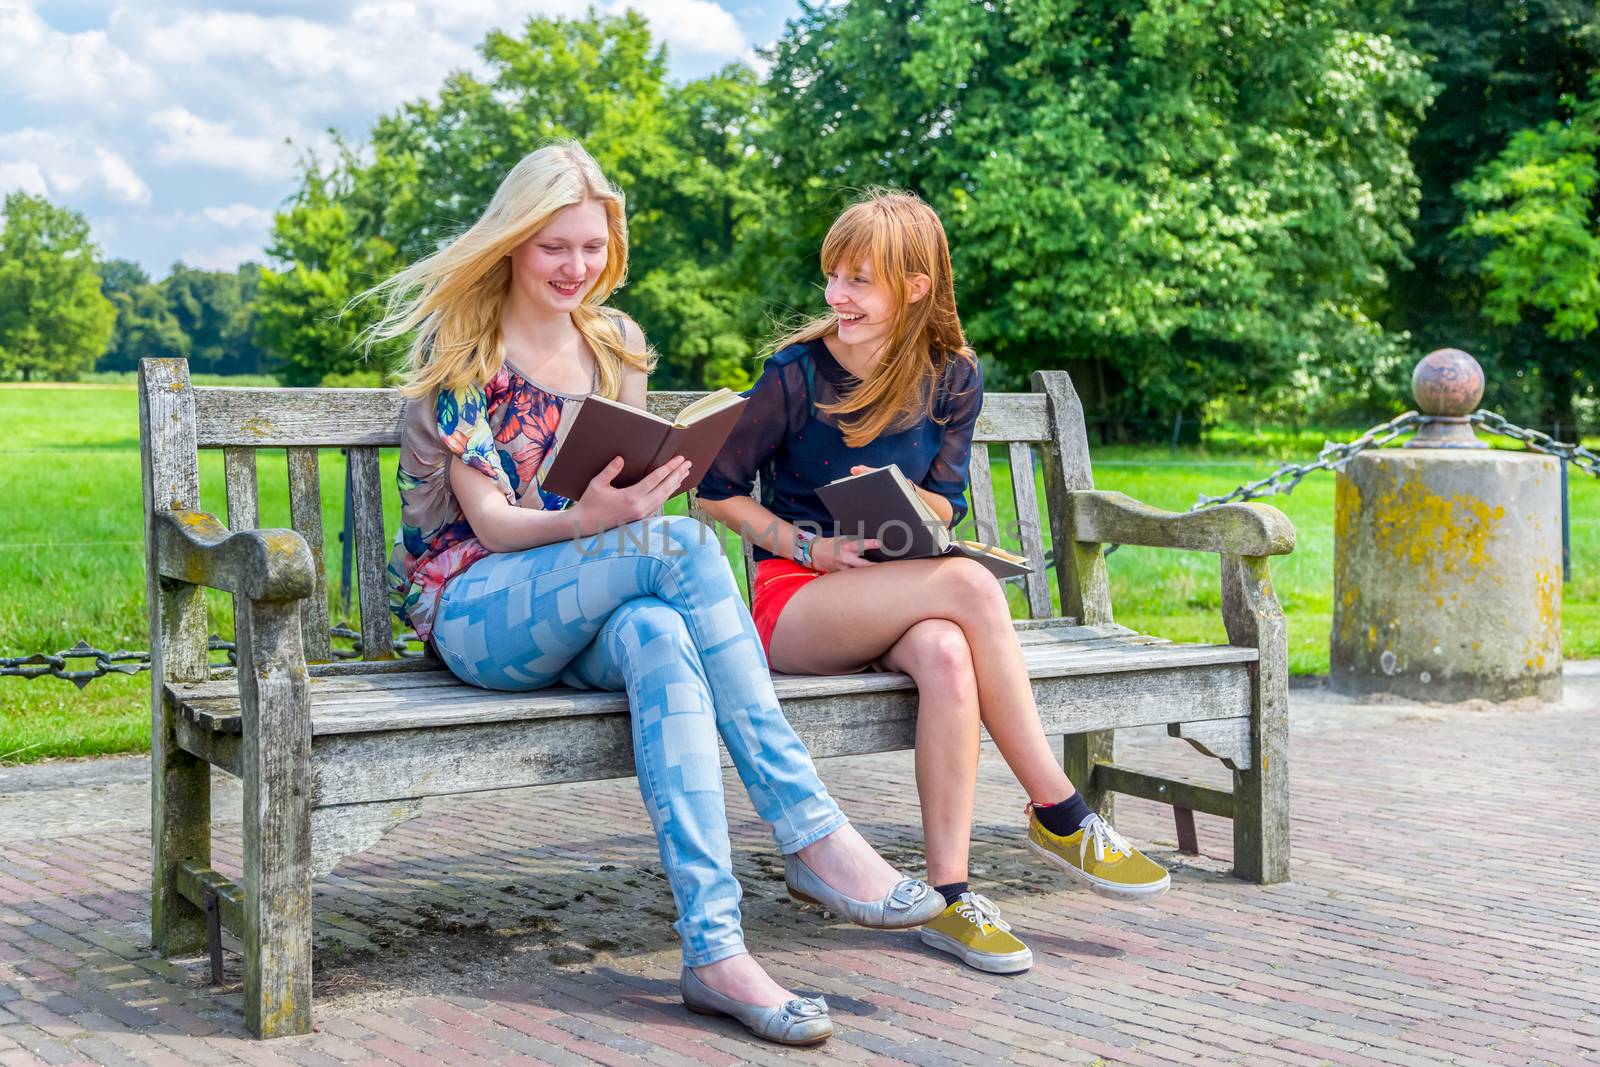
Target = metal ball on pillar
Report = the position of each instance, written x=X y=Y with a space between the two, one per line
x=1447 y=558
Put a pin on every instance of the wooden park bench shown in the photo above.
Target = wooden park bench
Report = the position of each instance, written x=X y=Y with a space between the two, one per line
x=334 y=754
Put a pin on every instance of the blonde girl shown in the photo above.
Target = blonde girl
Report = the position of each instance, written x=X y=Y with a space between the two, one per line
x=887 y=377
x=517 y=588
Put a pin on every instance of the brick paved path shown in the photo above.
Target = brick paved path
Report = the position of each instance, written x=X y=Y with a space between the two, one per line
x=1444 y=910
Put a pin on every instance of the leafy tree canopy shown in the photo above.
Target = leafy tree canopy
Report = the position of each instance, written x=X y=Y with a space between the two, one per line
x=54 y=320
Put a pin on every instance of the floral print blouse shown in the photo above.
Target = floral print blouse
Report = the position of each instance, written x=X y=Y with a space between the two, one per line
x=502 y=430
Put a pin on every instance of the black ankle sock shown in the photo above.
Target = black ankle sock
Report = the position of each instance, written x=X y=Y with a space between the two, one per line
x=951 y=892
x=1063 y=818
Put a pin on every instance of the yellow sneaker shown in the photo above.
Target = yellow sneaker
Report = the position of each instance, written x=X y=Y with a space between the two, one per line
x=1101 y=858
x=972 y=931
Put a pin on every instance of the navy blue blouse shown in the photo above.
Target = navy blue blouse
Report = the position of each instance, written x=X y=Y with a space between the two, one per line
x=795 y=448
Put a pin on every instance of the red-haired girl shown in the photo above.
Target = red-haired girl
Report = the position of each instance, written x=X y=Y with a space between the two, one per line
x=887 y=377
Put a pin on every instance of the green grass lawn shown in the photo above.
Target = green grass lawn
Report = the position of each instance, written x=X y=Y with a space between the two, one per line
x=72 y=559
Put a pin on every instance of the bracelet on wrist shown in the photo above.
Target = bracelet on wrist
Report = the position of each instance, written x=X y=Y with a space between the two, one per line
x=802 y=547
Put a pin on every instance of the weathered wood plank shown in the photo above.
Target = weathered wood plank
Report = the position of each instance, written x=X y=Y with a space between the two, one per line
x=276 y=759
x=244 y=514
x=1027 y=500
x=408 y=763
x=220 y=748
x=336 y=711
x=980 y=476
x=239 y=472
x=1254 y=618
x=344 y=830
x=195 y=879
x=180 y=782
x=339 y=418
x=1180 y=794
x=1241 y=529
x=305 y=516
x=371 y=555
x=1081 y=752
x=1080 y=566
x=1227 y=740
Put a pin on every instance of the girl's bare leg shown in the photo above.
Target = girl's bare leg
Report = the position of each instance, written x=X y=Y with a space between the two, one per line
x=845 y=620
x=935 y=653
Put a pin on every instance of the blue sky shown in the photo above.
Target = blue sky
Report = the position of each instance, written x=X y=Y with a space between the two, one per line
x=174 y=127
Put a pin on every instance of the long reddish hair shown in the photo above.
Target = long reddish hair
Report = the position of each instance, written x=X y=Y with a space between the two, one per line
x=898 y=235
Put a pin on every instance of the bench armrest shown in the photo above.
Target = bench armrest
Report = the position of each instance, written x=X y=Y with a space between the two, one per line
x=260 y=565
x=1233 y=529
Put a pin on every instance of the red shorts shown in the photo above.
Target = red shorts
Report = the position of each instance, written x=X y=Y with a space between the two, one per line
x=776 y=581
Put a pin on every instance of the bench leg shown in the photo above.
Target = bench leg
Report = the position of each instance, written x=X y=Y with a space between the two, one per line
x=180 y=832
x=1079 y=754
x=1260 y=791
x=277 y=823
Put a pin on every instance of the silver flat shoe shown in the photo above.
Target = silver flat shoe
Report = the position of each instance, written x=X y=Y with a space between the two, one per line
x=801 y=1021
x=909 y=902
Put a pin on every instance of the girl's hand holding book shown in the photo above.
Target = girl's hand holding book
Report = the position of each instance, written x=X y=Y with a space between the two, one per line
x=603 y=506
x=829 y=554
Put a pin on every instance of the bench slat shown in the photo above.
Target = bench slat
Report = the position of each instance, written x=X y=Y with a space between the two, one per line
x=1027 y=498
x=341 y=418
x=337 y=699
x=244 y=513
x=371 y=554
x=980 y=477
x=436 y=699
x=360 y=767
x=355 y=676
x=305 y=515
x=239 y=471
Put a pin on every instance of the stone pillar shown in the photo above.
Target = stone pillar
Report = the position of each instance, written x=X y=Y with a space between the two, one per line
x=1447 y=558
x=1447 y=575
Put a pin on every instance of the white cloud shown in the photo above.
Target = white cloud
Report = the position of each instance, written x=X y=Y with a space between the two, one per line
x=236 y=217
x=222 y=257
x=23 y=176
x=189 y=139
x=39 y=63
x=697 y=28
x=215 y=101
x=65 y=164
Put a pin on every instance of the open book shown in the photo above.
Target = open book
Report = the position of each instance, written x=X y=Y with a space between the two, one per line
x=604 y=429
x=884 y=505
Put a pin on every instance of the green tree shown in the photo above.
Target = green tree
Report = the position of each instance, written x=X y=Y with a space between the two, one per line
x=1179 y=201
x=216 y=311
x=1502 y=68
x=145 y=324
x=327 y=262
x=54 y=320
x=681 y=154
x=1537 y=207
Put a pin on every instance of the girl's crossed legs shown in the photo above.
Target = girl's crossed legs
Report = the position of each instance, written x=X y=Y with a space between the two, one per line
x=652 y=608
x=945 y=622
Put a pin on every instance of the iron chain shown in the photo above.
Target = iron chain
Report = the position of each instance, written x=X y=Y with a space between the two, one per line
x=1335 y=456
x=1584 y=459
x=1332 y=457
x=42 y=664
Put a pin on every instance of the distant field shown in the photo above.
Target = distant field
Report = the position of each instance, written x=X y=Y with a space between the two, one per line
x=72 y=564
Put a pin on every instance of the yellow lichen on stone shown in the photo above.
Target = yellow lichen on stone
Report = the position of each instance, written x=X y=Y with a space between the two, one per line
x=1435 y=534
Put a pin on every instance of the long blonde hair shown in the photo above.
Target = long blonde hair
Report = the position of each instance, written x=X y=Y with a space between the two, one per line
x=899 y=235
x=453 y=298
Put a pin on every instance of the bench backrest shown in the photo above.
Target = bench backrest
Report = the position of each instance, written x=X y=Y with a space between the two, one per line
x=239 y=421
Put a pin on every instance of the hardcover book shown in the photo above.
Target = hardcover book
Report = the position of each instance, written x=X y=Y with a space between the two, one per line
x=884 y=505
x=604 y=429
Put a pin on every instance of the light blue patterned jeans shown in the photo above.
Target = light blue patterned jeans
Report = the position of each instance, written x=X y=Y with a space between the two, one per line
x=652 y=608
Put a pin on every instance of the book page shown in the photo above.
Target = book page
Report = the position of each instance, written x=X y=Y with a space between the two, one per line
x=706 y=406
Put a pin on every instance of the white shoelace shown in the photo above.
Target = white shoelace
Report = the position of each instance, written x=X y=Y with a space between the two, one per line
x=1104 y=837
x=982 y=912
